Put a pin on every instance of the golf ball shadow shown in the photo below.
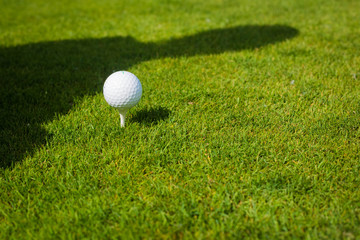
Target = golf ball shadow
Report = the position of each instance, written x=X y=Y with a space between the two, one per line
x=150 y=116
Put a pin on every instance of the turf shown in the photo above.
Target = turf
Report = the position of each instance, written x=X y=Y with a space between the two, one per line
x=248 y=126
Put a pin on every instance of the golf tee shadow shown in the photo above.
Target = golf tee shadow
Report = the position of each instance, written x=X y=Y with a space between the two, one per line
x=42 y=80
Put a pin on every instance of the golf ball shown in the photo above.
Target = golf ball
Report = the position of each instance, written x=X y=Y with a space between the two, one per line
x=122 y=90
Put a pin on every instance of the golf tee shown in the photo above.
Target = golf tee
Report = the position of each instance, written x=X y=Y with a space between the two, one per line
x=122 y=117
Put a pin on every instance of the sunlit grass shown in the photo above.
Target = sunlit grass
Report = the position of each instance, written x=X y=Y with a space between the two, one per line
x=248 y=126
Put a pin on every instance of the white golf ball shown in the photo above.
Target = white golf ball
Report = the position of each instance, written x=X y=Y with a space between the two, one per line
x=122 y=90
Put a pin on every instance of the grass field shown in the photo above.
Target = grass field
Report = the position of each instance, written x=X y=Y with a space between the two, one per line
x=248 y=126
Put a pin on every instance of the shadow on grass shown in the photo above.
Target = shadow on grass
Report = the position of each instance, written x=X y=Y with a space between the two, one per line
x=43 y=79
x=150 y=116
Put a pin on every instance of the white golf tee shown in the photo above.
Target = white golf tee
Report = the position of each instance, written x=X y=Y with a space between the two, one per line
x=122 y=117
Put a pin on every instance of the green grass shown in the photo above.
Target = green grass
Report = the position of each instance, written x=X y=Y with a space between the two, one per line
x=248 y=126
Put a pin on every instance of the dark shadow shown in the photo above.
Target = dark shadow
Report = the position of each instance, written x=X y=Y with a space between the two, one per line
x=150 y=116
x=41 y=80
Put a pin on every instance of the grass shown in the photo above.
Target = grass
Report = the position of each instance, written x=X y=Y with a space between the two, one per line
x=248 y=126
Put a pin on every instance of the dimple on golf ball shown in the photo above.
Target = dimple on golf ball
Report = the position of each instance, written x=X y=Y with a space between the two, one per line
x=122 y=90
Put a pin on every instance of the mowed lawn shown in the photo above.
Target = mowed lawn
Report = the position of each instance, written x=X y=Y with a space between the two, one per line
x=248 y=127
